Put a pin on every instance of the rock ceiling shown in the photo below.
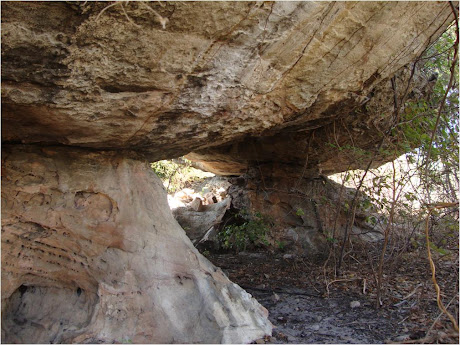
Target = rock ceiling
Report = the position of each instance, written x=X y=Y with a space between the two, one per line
x=231 y=81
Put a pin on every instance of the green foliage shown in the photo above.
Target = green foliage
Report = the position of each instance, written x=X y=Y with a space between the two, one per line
x=281 y=245
x=439 y=175
x=165 y=169
x=439 y=250
x=417 y=121
x=331 y=240
x=371 y=220
x=247 y=230
x=175 y=174
x=365 y=203
x=299 y=212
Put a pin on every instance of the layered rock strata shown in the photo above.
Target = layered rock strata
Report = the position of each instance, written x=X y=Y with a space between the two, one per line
x=167 y=78
x=347 y=136
x=91 y=253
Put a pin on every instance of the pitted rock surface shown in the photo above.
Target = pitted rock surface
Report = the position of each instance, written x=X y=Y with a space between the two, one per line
x=91 y=253
x=165 y=79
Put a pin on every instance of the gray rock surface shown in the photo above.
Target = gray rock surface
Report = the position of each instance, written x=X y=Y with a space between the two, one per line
x=197 y=223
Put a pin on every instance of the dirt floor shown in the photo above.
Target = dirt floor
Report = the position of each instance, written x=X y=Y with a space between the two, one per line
x=307 y=306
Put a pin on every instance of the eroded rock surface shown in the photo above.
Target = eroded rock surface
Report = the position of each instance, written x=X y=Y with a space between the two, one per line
x=307 y=212
x=91 y=75
x=345 y=136
x=91 y=253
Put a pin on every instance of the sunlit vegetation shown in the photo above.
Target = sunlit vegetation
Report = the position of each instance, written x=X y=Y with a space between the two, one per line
x=177 y=174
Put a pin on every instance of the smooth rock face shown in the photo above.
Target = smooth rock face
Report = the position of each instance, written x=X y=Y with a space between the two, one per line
x=91 y=75
x=91 y=253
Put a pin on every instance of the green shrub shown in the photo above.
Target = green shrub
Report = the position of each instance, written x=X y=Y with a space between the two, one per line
x=177 y=173
x=300 y=212
x=165 y=169
x=247 y=230
x=281 y=245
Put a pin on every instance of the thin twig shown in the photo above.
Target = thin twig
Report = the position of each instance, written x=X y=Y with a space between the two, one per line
x=106 y=8
x=439 y=316
x=432 y=266
x=413 y=292
x=127 y=17
x=451 y=81
x=306 y=159
x=339 y=280
x=163 y=21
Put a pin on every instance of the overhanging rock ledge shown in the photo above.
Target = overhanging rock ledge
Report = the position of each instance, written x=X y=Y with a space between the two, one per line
x=92 y=91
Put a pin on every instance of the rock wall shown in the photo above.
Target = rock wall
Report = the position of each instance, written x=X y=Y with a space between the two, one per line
x=308 y=212
x=91 y=253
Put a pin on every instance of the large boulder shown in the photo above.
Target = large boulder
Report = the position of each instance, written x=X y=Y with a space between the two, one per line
x=198 y=221
x=91 y=253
